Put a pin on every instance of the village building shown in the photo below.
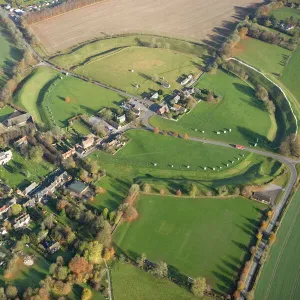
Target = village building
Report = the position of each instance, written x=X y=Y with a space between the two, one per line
x=186 y=80
x=175 y=100
x=121 y=119
x=20 y=142
x=5 y=205
x=5 y=157
x=54 y=248
x=69 y=153
x=268 y=195
x=78 y=188
x=22 y=221
x=49 y=190
x=88 y=142
x=163 y=109
x=17 y=118
x=29 y=189
x=155 y=96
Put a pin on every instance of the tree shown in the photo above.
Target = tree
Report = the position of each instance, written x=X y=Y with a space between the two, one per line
x=67 y=99
x=236 y=295
x=134 y=190
x=62 y=288
x=78 y=265
x=69 y=163
x=178 y=193
x=131 y=213
x=262 y=93
x=156 y=130
x=11 y=291
x=199 y=286
x=210 y=98
x=104 y=235
x=147 y=188
x=36 y=154
x=105 y=213
x=162 y=192
x=15 y=209
x=222 y=190
x=141 y=260
x=86 y=294
x=272 y=238
x=193 y=190
x=165 y=132
x=185 y=136
x=250 y=295
x=243 y=32
x=160 y=270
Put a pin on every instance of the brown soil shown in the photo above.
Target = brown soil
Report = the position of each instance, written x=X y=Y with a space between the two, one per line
x=189 y=19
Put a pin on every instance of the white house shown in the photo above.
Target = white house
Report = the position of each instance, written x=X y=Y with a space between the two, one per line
x=22 y=221
x=5 y=157
x=121 y=119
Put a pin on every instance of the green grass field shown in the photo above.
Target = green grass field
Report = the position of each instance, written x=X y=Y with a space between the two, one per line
x=130 y=282
x=290 y=74
x=43 y=95
x=270 y=58
x=237 y=110
x=196 y=237
x=285 y=12
x=94 y=50
x=20 y=171
x=134 y=163
x=9 y=54
x=280 y=274
x=114 y=69
x=5 y=112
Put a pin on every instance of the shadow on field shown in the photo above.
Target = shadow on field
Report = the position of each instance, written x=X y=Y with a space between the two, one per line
x=220 y=34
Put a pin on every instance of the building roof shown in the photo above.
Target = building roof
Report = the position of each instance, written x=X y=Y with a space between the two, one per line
x=78 y=187
x=17 y=118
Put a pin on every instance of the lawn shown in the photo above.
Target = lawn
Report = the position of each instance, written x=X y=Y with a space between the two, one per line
x=21 y=171
x=207 y=237
x=280 y=274
x=130 y=282
x=5 y=112
x=99 y=48
x=270 y=58
x=43 y=95
x=9 y=54
x=285 y=12
x=148 y=64
x=134 y=163
x=80 y=127
x=239 y=110
x=290 y=74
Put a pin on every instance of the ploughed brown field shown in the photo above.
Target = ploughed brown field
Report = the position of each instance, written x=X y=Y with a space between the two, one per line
x=189 y=19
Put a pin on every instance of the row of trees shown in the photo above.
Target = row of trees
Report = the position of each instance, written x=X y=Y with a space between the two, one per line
x=66 y=6
x=17 y=72
x=160 y=270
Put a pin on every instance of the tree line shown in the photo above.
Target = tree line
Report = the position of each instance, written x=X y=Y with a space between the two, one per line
x=16 y=73
x=66 y=6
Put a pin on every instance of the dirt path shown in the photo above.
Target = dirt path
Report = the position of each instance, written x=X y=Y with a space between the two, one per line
x=189 y=19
